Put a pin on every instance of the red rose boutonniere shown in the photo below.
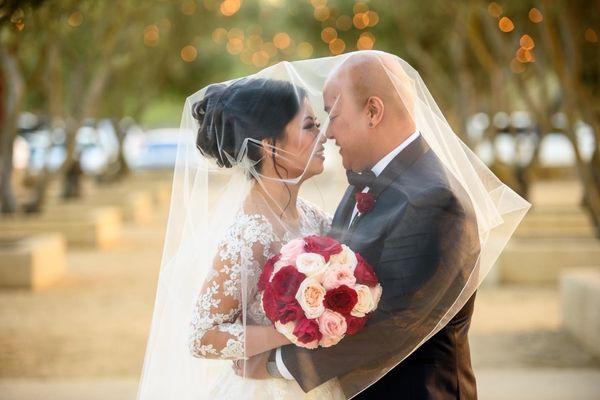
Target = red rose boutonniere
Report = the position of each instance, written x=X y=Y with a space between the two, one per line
x=364 y=202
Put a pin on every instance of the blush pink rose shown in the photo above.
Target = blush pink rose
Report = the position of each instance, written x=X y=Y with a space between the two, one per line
x=333 y=326
x=337 y=275
x=291 y=250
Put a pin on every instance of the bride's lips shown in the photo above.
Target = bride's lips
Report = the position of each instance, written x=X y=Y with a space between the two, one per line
x=320 y=152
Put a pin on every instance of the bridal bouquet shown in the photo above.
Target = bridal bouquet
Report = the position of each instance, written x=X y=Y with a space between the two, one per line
x=317 y=290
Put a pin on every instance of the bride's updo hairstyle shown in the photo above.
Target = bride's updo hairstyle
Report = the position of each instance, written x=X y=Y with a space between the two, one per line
x=249 y=108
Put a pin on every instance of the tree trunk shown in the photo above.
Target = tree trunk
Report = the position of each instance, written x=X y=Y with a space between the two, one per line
x=11 y=96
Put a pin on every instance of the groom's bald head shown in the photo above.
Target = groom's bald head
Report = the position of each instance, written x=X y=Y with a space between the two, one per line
x=370 y=102
x=373 y=74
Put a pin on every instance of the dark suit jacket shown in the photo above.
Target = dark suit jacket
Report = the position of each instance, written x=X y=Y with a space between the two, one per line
x=421 y=237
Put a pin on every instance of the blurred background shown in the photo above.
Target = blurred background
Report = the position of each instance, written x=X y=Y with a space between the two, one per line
x=91 y=94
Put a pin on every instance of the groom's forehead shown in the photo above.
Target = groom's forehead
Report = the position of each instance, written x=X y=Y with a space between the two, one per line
x=331 y=93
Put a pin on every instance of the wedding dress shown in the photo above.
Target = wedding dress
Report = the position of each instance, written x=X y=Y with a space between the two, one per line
x=249 y=241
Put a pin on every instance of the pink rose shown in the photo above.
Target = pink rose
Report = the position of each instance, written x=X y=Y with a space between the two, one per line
x=338 y=275
x=291 y=250
x=333 y=326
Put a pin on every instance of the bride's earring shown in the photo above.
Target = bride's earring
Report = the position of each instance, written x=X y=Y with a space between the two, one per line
x=370 y=124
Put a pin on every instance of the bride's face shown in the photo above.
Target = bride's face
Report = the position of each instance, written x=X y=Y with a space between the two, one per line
x=301 y=148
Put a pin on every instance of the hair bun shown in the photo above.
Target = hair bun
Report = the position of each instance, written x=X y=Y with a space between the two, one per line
x=209 y=114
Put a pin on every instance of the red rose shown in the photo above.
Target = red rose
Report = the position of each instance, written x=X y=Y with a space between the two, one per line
x=286 y=282
x=354 y=324
x=323 y=245
x=364 y=272
x=289 y=312
x=364 y=202
x=267 y=271
x=307 y=330
x=270 y=304
x=341 y=299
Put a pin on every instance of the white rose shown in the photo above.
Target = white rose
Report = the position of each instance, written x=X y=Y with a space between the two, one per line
x=346 y=258
x=287 y=330
x=310 y=296
x=376 y=294
x=310 y=263
x=365 y=303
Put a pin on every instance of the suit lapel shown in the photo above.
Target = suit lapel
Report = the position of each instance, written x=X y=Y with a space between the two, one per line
x=344 y=210
x=391 y=172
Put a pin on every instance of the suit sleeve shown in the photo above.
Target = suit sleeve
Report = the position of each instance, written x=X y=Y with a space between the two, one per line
x=428 y=253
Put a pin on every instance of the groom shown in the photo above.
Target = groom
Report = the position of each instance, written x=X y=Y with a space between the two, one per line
x=420 y=234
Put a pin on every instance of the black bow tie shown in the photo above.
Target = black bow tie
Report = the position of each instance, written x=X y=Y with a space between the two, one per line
x=361 y=180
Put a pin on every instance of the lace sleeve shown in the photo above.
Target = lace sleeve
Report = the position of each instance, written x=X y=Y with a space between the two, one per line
x=217 y=330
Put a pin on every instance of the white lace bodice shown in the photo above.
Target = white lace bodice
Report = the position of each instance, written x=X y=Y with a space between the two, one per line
x=216 y=328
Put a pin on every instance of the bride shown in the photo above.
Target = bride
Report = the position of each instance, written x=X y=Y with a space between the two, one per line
x=284 y=142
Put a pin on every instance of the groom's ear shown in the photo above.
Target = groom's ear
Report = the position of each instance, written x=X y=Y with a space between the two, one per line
x=375 y=109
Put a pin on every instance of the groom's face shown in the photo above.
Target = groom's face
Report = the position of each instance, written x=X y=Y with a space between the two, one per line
x=347 y=126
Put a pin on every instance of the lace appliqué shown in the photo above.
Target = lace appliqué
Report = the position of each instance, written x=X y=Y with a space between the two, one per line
x=241 y=255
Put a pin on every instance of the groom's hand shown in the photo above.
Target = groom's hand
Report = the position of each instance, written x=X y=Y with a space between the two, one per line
x=256 y=367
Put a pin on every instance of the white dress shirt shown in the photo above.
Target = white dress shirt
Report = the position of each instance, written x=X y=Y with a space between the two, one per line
x=381 y=164
x=377 y=170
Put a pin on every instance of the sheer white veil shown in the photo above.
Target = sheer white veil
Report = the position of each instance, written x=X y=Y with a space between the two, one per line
x=210 y=187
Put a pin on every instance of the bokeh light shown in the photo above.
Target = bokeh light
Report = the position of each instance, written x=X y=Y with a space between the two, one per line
x=219 y=35
x=360 y=7
x=189 y=53
x=366 y=41
x=322 y=13
x=535 y=16
x=337 y=46
x=282 y=40
x=304 y=50
x=494 y=9
x=506 y=25
x=230 y=7
x=260 y=58
x=590 y=35
x=329 y=34
x=151 y=35
x=189 y=7
x=75 y=19
x=373 y=18
x=361 y=20
x=527 y=42
x=344 y=22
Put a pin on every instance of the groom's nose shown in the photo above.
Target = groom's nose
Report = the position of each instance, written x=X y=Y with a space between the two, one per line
x=329 y=132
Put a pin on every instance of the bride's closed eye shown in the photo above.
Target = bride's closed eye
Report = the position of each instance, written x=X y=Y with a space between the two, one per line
x=311 y=124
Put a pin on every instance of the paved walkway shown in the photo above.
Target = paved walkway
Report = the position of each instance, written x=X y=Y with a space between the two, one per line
x=493 y=384
x=85 y=337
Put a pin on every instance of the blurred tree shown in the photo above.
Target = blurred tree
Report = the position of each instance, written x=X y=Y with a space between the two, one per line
x=12 y=91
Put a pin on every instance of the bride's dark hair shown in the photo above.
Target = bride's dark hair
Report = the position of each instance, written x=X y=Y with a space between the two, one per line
x=249 y=108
